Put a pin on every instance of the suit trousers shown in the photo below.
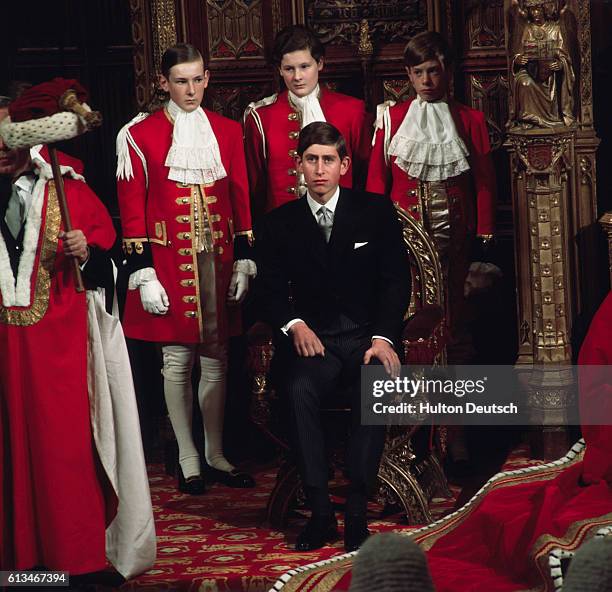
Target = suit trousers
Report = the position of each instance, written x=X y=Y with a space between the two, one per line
x=310 y=380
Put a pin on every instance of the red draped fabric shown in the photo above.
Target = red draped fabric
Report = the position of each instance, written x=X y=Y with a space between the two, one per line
x=500 y=540
x=52 y=510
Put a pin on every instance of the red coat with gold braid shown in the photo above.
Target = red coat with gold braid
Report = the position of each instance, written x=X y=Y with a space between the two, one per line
x=271 y=130
x=474 y=189
x=157 y=217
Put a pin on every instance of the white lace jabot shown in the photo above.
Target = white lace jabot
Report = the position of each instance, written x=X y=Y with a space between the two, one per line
x=309 y=107
x=194 y=156
x=427 y=145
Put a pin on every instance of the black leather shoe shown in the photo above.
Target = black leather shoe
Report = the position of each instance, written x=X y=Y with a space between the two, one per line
x=318 y=531
x=234 y=478
x=192 y=485
x=355 y=531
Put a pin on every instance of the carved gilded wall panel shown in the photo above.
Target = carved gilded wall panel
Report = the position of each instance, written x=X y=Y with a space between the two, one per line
x=488 y=92
x=143 y=67
x=235 y=29
x=482 y=61
x=485 y=24
x=163 y=15
x=232 y=99
x=397 y=90
x=337 y=21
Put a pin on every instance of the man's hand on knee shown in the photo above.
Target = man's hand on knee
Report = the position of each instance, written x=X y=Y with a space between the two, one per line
x=383 y=351
x=305 y=341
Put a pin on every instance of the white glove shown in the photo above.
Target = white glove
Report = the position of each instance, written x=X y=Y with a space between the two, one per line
x=152 y=294
x=238 y=288
x=154 y=298
x=239 y=284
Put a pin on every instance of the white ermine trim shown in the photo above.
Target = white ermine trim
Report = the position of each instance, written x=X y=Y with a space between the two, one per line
x=18 y=293
x=21 y=291
x=7 y=279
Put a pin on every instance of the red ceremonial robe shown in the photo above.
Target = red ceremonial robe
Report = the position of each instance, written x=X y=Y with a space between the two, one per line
x=52 y=510
x=271 y=130
x=471 y=195
x=501 y=539
x=159 y=212
x=474 y=189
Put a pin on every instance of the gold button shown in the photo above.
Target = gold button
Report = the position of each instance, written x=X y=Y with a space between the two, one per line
x=292 y=116
x=414 y=209
x=189 y=299
x=182 y=200
x=291 y=190
x=218 y=234
x=292 y=153
x=191 y=314
x=183 y=219
x=215 y=218
x=186 y=252
x=187 y=283
x=292 y=172
x=186 y=267
x=211 y=199
x=294 y=135
x=412 y=193
x=184 y=235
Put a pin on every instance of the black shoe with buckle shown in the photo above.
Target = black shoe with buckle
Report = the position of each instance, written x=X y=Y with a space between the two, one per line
x=233 y=478
x=192 y=485
x=318 y=531
x=355 y=531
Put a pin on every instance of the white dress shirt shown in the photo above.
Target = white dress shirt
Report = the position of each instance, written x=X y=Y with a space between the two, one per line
x=20 y=202
x=314 y=208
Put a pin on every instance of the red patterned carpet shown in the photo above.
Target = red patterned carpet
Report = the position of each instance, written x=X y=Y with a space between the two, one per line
x=219 y=542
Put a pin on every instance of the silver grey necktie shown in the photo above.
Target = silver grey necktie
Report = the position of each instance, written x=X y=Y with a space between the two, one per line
x=325 y=219
x=15 y=213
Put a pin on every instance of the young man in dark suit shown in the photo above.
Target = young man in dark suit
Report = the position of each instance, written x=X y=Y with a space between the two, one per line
x=342 y=254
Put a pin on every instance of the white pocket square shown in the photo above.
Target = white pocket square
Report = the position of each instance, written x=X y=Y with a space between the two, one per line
x=357 y=245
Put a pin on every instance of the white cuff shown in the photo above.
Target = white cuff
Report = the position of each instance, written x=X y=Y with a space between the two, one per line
x=246 y=266
x=285 y=328
x=140 y=277
x=381 y=337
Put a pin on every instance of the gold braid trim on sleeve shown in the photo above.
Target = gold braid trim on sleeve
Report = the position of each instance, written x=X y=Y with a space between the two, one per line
x=248 y=234
x=134 y=245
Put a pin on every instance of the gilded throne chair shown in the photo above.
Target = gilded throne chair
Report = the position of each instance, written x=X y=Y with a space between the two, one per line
x=410 y=472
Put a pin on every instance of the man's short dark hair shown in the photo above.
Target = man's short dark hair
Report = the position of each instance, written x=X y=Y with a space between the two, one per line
x=323 y=133
x=296 y=38
x=426 y=46
x=179 y=54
